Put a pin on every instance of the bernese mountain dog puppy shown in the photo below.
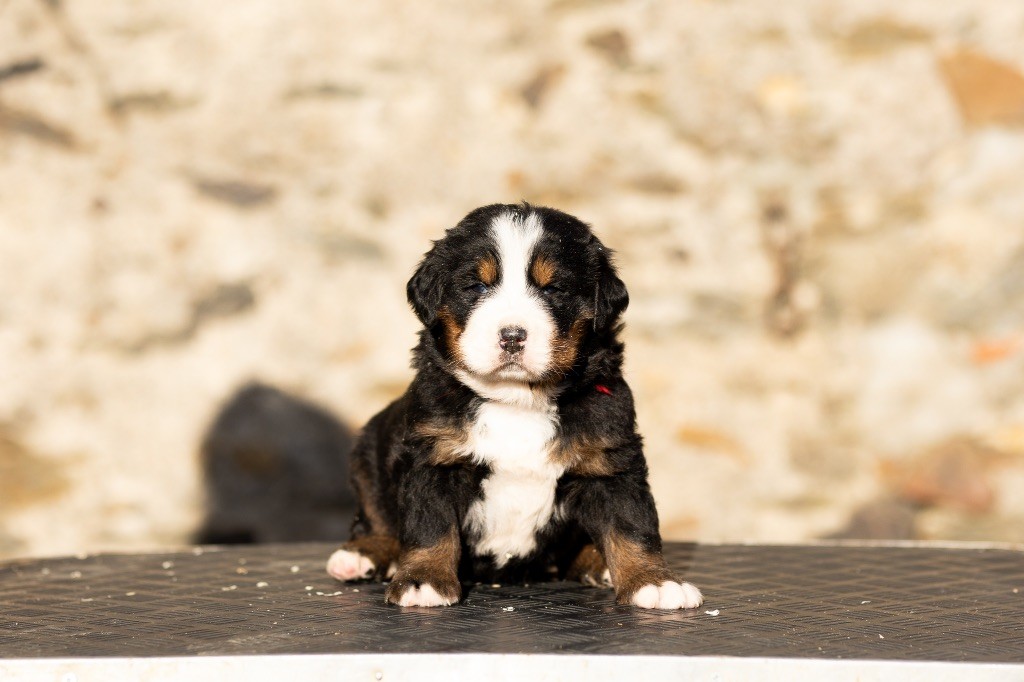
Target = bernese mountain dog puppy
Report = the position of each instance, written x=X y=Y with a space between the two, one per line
x=514 y=453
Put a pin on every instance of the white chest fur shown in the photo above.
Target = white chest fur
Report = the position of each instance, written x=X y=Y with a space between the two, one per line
x=518 y=498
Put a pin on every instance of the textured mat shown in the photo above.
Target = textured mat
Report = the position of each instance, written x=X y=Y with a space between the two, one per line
x=893 y=603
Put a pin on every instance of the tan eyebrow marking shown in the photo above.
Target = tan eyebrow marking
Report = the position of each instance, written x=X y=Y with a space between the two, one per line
x=542 y=270
x=487 y=270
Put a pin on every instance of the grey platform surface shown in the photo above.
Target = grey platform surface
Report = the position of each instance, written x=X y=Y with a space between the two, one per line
x=805 y=602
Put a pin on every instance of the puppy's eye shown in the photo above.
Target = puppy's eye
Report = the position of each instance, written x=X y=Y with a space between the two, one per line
x=479 y=288
x=549 y=290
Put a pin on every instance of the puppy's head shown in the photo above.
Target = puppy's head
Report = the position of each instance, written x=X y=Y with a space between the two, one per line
x=511 y=292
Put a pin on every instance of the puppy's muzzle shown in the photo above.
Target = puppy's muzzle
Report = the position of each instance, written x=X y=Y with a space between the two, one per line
x=512 y=339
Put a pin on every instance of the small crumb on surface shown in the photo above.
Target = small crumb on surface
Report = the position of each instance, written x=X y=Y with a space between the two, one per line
x=1016 y=591
x=309 y=588
x=262 y=584
x=129 y=594
x=508 y=608
x=76 y=574
x=495 y=585
x=294 y=569
x=229 y=588
x=713 y=613
x=242 y=571
x=881 y=637
x=355 y=589
x=88 y=599
x=866 y=601
x=167 y=564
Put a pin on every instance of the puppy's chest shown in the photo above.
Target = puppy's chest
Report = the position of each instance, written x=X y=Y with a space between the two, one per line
x=517 y=499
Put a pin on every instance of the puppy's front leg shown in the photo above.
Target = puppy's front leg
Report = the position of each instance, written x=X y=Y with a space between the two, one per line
x=431 y=546
x=619 y=514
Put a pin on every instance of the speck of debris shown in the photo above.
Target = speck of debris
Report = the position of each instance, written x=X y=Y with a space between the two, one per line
x=1016 y=591
x=229 y=588
x=129 y=594
x=88 y=599
x=76 y=574
x=262 y=584
x=713 y=613
x=508 y=608
x=355 y=589
x=495 y=585
x=167 y=564
x=294 y=569
x=880 y=637
x=309 y=588
x=242 y=571
x=865 y=602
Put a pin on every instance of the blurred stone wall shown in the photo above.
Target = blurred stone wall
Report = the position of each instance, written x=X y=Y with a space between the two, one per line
x=818 y=207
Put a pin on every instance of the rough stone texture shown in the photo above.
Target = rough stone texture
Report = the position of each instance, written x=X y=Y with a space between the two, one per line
x=817 y=206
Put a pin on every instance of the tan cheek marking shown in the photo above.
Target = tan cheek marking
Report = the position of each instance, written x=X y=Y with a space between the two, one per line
x=449 y=442
x=487 y=270
x=452 y=334
x=542 y=271
x=565 y=348
x=632 y=566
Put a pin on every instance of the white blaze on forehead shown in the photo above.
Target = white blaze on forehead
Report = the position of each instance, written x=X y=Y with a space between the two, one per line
x=511 y=304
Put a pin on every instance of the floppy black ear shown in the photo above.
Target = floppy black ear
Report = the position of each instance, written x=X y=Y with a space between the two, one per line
x=610 y=295
x=425 y=289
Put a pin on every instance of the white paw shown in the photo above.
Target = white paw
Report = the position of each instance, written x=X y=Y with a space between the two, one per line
x=606 y=578
x=424 y=595
x=348 y=565
x=668 y=595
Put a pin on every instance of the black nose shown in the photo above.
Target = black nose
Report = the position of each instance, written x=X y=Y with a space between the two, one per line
x=512 y=339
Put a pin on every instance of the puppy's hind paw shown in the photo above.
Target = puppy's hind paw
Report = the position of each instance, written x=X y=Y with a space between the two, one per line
x=347 y=565
x=668 y=595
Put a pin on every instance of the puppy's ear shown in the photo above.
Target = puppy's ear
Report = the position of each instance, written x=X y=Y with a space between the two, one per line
x=610 y=295
x=425 y=290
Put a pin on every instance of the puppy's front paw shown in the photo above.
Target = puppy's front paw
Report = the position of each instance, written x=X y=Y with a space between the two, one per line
x=348 y=565
x=668 y=595
x=423 y=593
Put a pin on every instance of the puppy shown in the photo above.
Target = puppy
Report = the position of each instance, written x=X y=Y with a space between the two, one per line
x=514 y=453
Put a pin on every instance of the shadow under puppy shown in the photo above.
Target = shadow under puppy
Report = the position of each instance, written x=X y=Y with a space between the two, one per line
x=514 y=452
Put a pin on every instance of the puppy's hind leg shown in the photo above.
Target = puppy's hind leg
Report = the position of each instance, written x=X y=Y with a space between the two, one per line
x=372 y=551
x=369 y=556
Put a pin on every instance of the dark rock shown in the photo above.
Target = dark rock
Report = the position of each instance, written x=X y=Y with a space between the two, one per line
x=275 y=469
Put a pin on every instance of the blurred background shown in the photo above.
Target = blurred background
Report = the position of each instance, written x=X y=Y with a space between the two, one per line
x=817 y=206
